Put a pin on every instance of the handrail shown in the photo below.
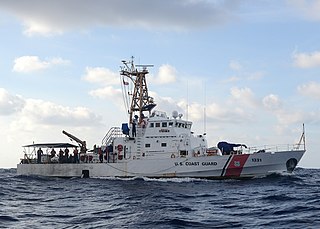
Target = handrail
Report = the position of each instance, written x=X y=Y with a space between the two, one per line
x=111 y=134
x=275 y=148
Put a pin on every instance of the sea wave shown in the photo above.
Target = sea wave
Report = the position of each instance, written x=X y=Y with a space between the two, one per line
x=276 y=201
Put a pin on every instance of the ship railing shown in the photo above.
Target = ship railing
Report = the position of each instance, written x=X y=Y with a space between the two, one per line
x=29 y=157
x=274 y=148
x=113 y=133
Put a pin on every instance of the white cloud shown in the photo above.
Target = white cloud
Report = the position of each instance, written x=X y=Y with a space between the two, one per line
x=31 y=112
x=256 y=75
x=224 y=113
x=101 y=76
x=311 y=89
x=292 y=117
x=306 y=60
x=33 y=27
x=10 y=104
x=166 y=75
x=235 y=65
x=39 y=112
x=272 y=102
x=232 y=79
x=309 y=9
x=244 y=96
x=40 y=17
x=107 y=92
x=25 y=64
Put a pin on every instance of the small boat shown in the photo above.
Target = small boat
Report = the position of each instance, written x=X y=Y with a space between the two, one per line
x=153 y=144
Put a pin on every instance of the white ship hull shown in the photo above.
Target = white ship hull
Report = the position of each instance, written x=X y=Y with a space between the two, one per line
x=153 y=144
x=211 y=167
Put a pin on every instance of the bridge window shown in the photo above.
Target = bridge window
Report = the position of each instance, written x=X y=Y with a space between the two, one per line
x=164 y=144
x=147 y=145
x=158 y=124
x=164 y=124
x=170 y=124
x=151 y=124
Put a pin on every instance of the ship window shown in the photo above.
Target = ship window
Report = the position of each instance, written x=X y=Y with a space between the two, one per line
x=151 y=124
x=163 y=144
x=183 y=153
x=170 y=124
x=158 y=124
x=147 y=145
x=164 y=124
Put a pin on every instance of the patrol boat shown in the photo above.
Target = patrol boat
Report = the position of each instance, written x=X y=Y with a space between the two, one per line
x=153 y=144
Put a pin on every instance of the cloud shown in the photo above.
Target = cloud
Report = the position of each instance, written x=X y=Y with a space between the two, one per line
x=221 y=112
x=309 y=9
x=33 y=111
x=55 y=17
x=272 y=102
x=306 y=60
x=101 y=76
x=244 y=96
x=107 y=92
x=10 y=104
x=166 y=75
x=311 y=89
x=235 y=65
x=26 y=64
x=39 y=112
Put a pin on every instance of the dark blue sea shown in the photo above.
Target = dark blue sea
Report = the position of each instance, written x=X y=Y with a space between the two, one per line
x=279 y=201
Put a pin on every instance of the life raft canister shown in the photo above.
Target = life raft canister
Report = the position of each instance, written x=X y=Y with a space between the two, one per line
x=120 y=148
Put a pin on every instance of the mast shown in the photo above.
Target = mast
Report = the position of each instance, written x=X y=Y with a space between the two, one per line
x=140 y=101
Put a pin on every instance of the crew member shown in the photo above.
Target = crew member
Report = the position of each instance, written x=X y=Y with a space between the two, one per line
x=60 y=156
x=66 y=154
x=100 y=155
x=53 y=153
x=75 y=155
x=39 y=154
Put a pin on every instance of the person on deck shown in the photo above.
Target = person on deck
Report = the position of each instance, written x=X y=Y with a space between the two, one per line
x=134 y=126
x=39 y=154
x=100 y=155
x=66 y=155
x=53 y=153
x=60 y=156
x=75 y=155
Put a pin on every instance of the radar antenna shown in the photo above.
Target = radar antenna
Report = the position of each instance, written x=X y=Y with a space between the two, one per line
x=140 y=99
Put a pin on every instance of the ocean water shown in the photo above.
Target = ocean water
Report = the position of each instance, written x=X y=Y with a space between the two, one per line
x=278 y=201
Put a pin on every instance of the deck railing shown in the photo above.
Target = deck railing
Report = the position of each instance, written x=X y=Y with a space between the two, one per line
x=111 y=134
x=275 y=148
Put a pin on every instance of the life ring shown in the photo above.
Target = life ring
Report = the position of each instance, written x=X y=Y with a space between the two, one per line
x=173 y=156
x=120 y=148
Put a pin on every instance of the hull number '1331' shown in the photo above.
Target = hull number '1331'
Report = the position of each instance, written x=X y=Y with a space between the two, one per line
x=256 y=160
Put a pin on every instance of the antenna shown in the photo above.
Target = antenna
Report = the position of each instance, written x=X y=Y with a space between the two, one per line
x=204 y=109
x=187 y=100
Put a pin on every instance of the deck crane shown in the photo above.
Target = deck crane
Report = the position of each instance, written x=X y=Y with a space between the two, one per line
x=82 y=144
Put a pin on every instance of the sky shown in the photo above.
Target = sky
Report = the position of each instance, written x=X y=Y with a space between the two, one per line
x=242 y=71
